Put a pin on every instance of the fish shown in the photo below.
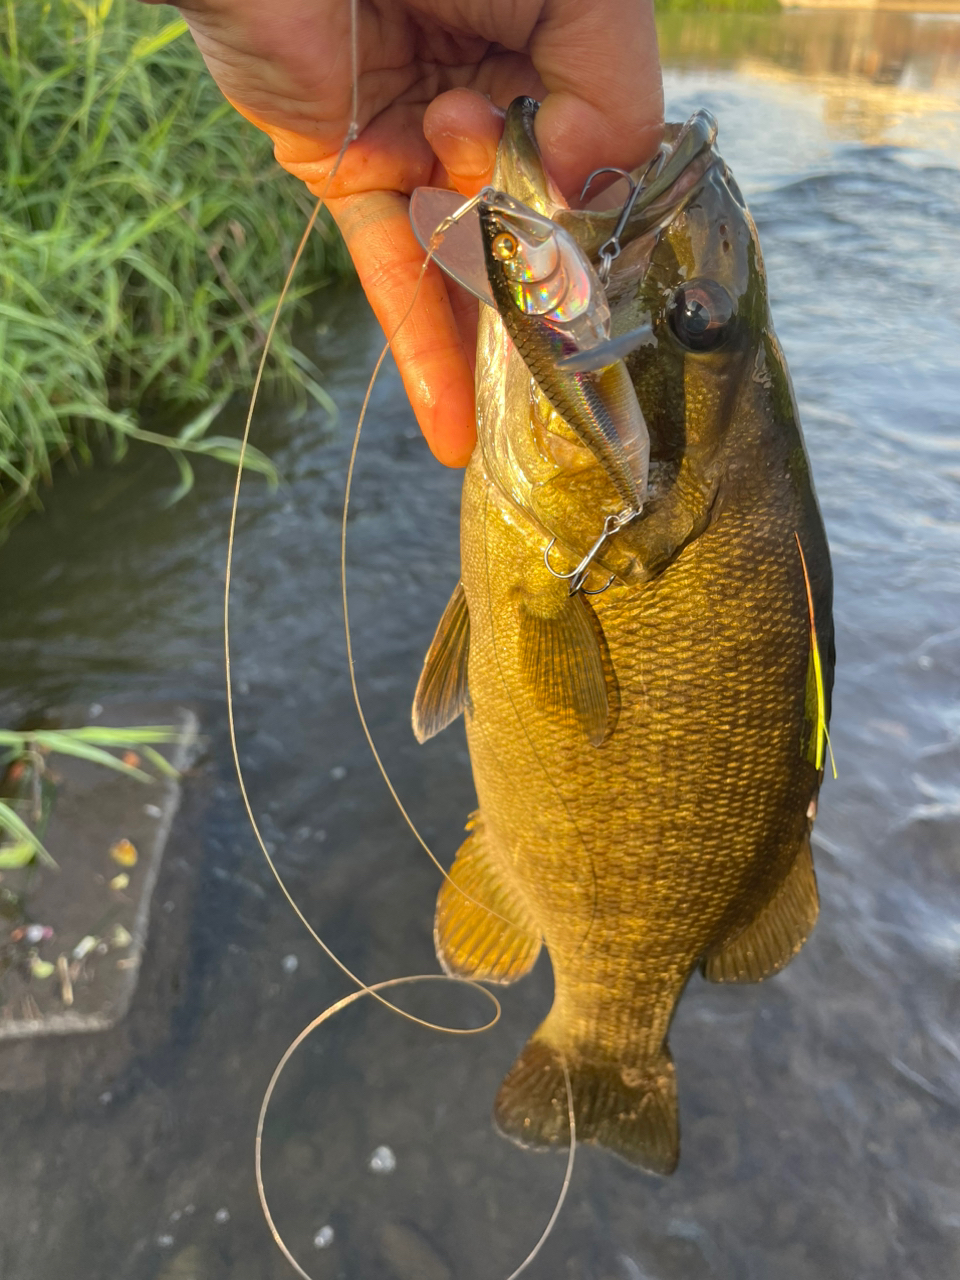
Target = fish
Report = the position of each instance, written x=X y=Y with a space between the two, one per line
x=647 y=748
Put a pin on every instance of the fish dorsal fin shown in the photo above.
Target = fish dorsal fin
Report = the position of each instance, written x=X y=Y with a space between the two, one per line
x=564 y=658
x=442 y=689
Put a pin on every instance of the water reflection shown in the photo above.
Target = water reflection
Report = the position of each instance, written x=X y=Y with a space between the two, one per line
x=877 y=73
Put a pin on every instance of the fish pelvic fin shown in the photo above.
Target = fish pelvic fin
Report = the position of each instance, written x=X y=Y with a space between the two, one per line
x=441 y=693
x=472 y=942
x=630 y=1109
x=776 y=934
x=564 y=656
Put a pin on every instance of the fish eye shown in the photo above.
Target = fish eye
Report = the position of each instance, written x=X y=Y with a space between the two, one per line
x=700 y=314
x=504 y=246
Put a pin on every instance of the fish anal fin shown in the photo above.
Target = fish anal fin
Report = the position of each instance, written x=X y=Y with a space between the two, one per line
x=776 y=934
x=564 y=657
x=496 y=945
x=441 y=693
x=629 y=1109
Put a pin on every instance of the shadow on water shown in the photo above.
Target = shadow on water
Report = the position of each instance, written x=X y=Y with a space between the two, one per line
x=819 y=1111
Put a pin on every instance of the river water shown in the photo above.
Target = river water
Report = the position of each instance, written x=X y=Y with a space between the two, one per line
x=819 y=1111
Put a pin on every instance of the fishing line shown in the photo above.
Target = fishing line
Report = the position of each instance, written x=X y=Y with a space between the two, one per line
x=363 y=989
x=351 y=134
x=226 y=633
x=348 y=487
x=373 y=990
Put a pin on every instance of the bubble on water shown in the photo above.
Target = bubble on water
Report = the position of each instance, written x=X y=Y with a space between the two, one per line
x=338 y=773
x=153 y=811
x=290 y=964
x=383 y=1160
x=324 y=1238
x=165 y=1242
x=222 y=1215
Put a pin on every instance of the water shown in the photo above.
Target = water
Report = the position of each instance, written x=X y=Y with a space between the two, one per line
x=820 y=1111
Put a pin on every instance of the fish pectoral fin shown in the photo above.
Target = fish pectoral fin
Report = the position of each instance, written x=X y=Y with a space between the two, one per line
x=566 y=663
x=442 y=688
x=487 y=931
x=629 y=1109
x=776 y=934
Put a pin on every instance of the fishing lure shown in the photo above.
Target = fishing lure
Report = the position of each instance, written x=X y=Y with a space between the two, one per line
x=554 y=306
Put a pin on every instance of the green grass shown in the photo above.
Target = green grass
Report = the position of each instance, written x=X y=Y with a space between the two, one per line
x=23 y=819
x=145 y=231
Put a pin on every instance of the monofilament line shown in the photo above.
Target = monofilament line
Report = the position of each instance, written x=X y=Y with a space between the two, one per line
x=364 y=989
x=330 y=1012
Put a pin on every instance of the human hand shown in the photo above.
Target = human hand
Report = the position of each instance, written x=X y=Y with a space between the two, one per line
x=432 y=75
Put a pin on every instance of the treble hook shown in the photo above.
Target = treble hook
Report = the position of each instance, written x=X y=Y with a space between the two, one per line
x=578 y=576
x=610 y=249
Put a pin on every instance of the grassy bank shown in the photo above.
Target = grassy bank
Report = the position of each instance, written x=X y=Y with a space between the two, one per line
x=145 y=232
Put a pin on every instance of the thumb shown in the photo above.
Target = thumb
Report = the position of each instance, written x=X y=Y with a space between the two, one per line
x=600 y=65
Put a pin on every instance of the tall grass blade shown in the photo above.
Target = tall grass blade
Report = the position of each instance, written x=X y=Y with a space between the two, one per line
x=14 y=825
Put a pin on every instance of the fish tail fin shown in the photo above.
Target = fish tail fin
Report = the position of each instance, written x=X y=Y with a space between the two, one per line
x=629 y=1109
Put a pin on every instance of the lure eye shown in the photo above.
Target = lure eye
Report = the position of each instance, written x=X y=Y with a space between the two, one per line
x=504 y=246
x=700 y=314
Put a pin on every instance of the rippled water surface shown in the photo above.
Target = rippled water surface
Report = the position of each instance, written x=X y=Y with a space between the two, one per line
x=819 y=1111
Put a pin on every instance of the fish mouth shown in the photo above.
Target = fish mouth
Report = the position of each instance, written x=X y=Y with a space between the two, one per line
x=686 y=152
x=661 y=187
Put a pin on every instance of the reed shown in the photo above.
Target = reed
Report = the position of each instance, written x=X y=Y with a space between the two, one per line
x=145 y=231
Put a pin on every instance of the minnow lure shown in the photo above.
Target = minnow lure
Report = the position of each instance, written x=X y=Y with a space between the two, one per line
x=554 y=306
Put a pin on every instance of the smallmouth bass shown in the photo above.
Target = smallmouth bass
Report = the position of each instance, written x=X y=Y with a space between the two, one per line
x=647 y=759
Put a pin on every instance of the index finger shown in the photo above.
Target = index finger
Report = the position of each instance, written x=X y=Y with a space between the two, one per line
x=419 y=323
x=363 y=189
